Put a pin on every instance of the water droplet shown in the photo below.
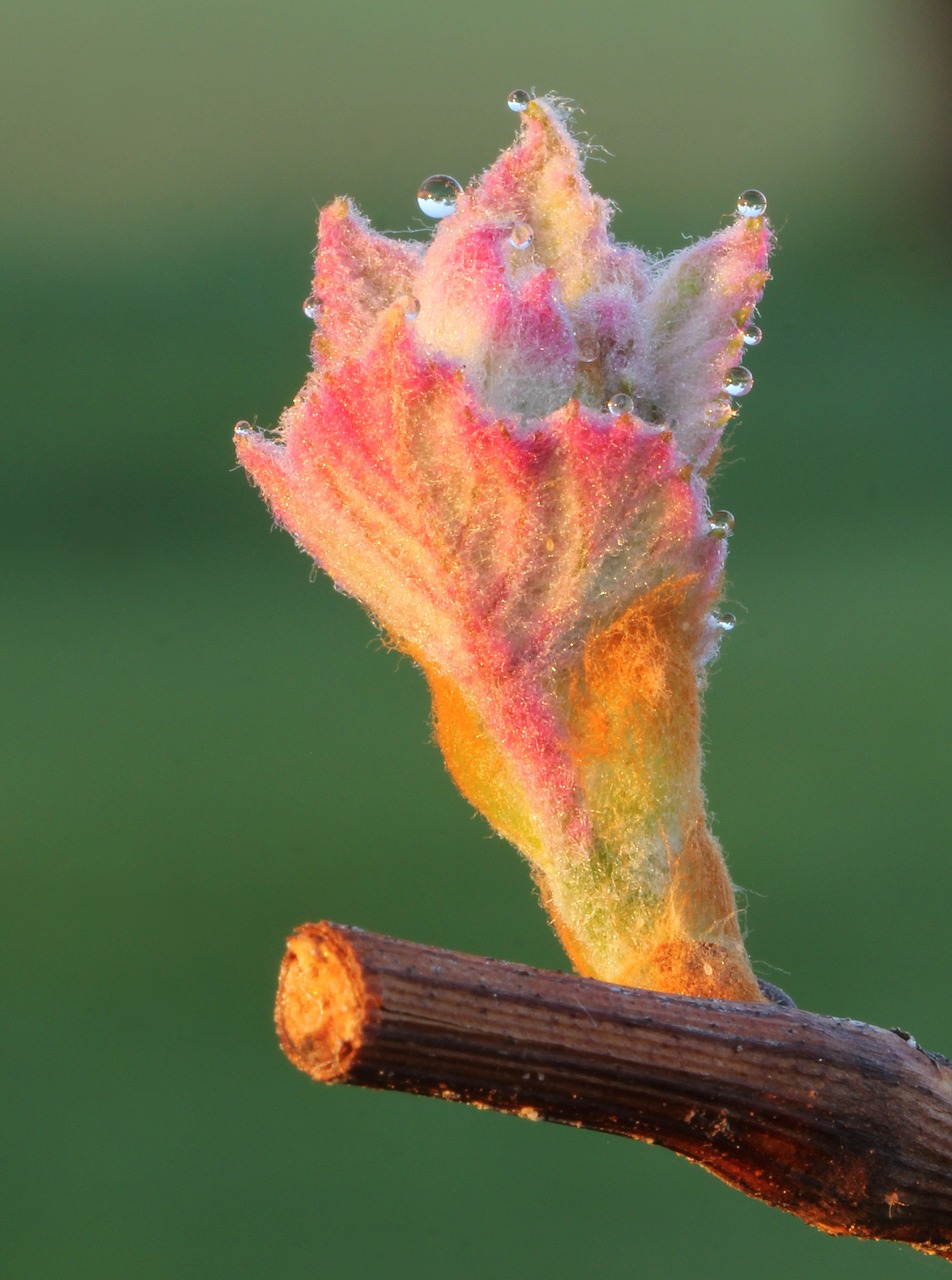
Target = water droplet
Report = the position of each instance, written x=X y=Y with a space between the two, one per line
x=752 y=204
x=438 y=195
x=242 y=428
x=410 y=305
x=587 y=349
x=312 y=307
x=738 y=381
x=550 y=545
x=620 y=404
x=724 y=622
x=521 y=236
x=752 y=335
x=721 y=411
x=518 y=100
x=722 y=522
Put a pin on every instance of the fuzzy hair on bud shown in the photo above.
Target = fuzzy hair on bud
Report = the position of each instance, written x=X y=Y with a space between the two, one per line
x=502 y=452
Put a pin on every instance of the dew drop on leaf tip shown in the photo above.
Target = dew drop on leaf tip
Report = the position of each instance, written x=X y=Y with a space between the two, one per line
x=752 y=204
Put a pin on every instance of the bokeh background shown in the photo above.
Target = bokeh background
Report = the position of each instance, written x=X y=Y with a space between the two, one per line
x=203 y=747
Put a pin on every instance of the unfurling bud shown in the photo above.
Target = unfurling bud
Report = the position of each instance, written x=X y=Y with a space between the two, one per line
x=502 y=452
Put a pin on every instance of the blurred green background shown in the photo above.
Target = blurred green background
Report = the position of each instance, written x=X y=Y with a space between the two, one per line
x=204 y=748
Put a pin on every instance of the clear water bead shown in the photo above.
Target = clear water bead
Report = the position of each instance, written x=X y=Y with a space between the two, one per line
x=722 y=523
x=522 y=236
x=312 y=307
x=587 y=350
x=620 y=404
x=738 y=381
x=752 y=204
x=410 y=305
x=242 y=428
x=725 y=621
x=752 y=335
x=438 y=195
x=518 y=100
x=721 y=411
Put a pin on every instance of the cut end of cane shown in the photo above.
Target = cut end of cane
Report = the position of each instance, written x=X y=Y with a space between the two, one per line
x=321 y=1003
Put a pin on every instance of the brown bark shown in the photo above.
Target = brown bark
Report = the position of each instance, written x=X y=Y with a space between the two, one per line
x=846 y=1125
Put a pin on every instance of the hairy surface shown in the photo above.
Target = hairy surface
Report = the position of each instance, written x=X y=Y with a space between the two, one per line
x=502 y=452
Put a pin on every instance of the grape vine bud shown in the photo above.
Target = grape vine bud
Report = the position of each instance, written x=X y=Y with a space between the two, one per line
x=503 y=452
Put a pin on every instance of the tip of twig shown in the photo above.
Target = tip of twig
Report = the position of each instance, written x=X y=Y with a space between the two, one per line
x=321 y=1003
